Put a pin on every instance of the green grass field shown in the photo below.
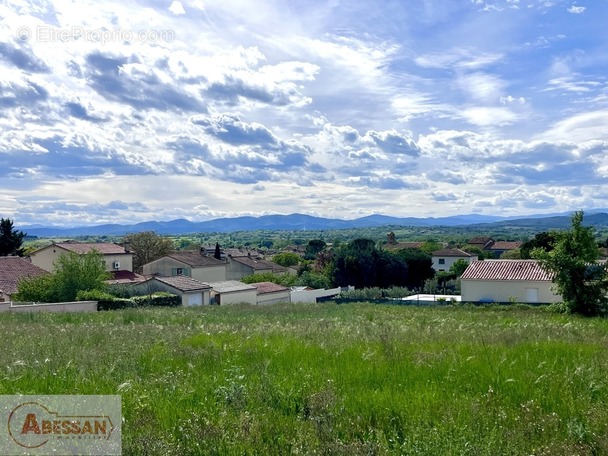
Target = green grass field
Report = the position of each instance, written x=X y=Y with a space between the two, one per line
x=327 y=379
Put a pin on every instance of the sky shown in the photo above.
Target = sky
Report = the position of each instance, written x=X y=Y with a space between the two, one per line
x=128 y=111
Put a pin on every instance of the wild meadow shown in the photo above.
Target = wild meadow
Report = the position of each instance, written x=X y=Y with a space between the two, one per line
x=356 y=379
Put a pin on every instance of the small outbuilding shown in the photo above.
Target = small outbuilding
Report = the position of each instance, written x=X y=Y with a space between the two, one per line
x=233 y=292
x=193 y=292
x=506 y=281
x=272 y=293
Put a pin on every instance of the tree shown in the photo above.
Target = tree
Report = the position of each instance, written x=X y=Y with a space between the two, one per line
x=361 y=264
x=286 y=259
x=544 y=240
x=73 y=273
x=458 y=267
x=313 y=247
x=218 y=252
x=147 y=246
x=577 y=275
x=419 y=266
x=10 y=239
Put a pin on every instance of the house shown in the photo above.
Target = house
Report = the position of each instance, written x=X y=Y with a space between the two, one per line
x=12 y=270
x=500 y=247
x=239 y=267
x=192 y=292
x=116 y=257
x=481 y=242
x=507 y=280
x=233 y=292
x=444 y=259
x=194 y=264
x=271 y=293
x=392 y=244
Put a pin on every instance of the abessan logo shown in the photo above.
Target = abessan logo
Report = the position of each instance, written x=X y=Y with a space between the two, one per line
x=87 y=425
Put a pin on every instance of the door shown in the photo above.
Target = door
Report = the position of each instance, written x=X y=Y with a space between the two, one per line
x=531 y=294
x=195 y=299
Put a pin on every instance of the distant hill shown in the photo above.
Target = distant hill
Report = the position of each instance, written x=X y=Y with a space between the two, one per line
x=299 y=222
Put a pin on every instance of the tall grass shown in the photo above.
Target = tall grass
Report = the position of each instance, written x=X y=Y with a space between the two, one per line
x=327 y=379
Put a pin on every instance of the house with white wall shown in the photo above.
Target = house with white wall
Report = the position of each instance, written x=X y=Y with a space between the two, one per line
x=444 y=259
x=522 y=281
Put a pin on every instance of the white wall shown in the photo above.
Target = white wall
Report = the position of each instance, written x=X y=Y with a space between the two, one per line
x=310 y=296
x=274 y=298
x=449 y=261
x=79 y=306
x=249 y=296
x=505 y=291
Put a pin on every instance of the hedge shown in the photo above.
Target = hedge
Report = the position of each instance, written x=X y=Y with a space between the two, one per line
x=106 y=301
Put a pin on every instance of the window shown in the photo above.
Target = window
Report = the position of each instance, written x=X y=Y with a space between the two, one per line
x=441 y=260
x=179 y=271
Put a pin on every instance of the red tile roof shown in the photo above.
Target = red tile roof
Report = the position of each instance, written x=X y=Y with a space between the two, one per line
x=269 y=287
x=528 y=270
x=122 y=277
x=13 y=269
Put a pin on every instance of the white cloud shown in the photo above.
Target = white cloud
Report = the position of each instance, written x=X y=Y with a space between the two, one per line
x=177 y=8
x=576 y=9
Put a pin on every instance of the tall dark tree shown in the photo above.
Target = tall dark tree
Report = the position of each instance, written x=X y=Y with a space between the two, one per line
x=314 y=247
x=419 y=267
x=218 y=252
x=361 y=264
x=11 y=240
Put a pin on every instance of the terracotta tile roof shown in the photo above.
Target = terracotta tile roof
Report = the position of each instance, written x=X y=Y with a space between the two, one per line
x=119 y=277
x=184 y=283
x=269 y=287
x=13 y=269
x=257 y=265
x=227 y=286
x=529 y=270
x=504 y=245
x=452 y=253
x=105 y=248
x=195 y=259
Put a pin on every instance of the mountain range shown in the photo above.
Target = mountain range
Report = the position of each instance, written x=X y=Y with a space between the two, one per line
x=299 y=222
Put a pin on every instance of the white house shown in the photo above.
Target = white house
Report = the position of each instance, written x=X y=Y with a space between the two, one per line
x=444 y=259
x=507 y=280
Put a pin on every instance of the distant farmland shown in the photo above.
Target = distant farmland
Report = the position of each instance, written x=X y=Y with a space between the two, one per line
x=327 y=379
